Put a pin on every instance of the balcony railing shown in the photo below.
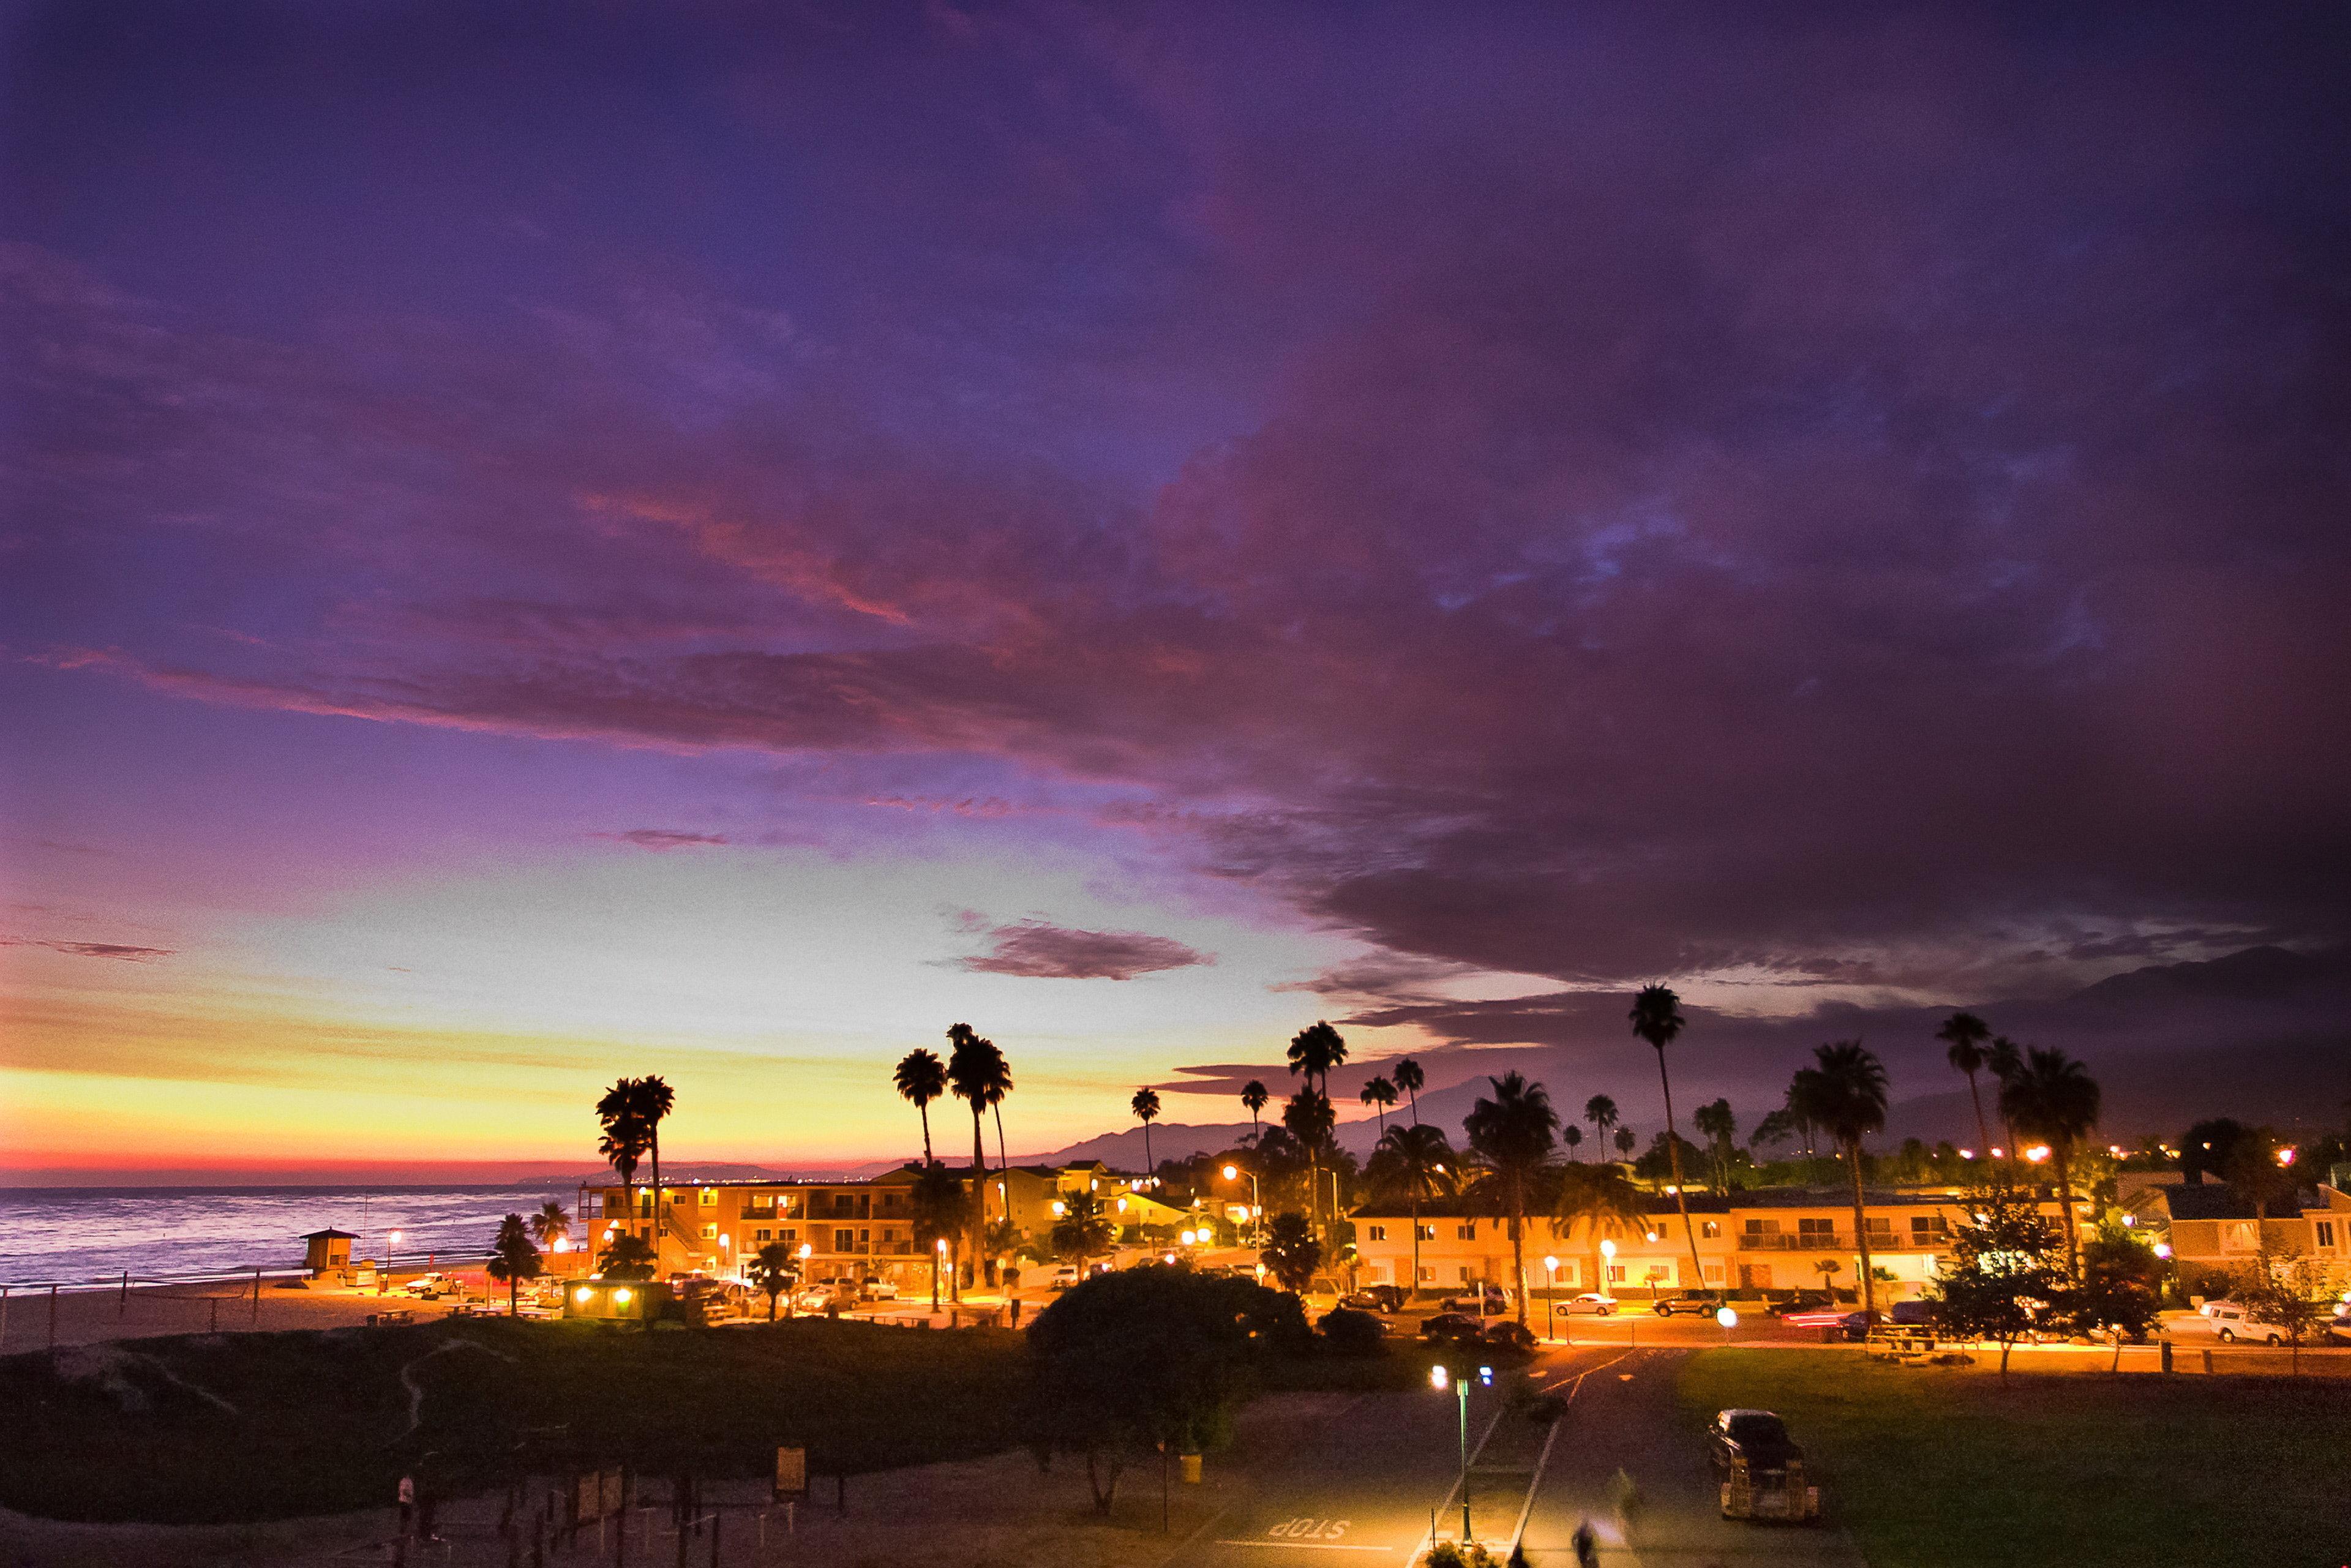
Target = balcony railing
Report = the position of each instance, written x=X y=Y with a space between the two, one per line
x=1842 y=1241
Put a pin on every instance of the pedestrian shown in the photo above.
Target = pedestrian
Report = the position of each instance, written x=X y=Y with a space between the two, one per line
x=407 y=1503
x=1015 y=1304
x=1587 y=1549
x=426 y=1506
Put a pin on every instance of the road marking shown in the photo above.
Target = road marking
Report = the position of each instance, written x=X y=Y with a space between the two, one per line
x=1308 y=1546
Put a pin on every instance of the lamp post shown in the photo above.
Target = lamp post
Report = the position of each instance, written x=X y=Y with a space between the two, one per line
x=1438 y=1376
x=1257 y=1203
x=391 y=1239
x=1550 y=1298
x=1607 y=1265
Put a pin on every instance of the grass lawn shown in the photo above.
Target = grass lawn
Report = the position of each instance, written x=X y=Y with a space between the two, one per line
x=236 y=1427
x=1944 y=1468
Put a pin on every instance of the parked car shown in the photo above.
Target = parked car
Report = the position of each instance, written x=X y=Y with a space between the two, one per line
x=1704 y=1303
x=2230 y=1323
x=1376 y=1298
x=1801 y=1301
x=1482 y=1300
x=1590 y=1305
x=2338 y=1327
x=1815 y=1317
x=1508 y=1333
x=880 y=1291
x=1064 y=1276
x=1911 y=1314
x=1759 y=1467
x=430 y=1287
x=1452 y=1328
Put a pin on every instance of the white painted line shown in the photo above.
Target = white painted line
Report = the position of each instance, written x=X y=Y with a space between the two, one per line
x=1310 y=1545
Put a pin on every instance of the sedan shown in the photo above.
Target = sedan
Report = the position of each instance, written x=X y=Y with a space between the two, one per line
x=1819 y=1318
x=1374 y=1299
x=1457 y=1327
x=1591 y=1304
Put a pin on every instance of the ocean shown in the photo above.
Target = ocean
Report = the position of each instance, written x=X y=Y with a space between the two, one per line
x=76 y=1235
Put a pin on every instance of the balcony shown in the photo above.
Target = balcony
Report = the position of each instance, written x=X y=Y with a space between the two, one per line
x=1842 y=1241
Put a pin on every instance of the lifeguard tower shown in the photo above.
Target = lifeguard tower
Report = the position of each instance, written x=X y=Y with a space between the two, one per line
x=327 y=1252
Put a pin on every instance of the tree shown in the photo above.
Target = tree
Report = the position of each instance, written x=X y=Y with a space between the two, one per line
x=1081 y=1232
x=1149 y=1357
x=1418 y=1164
x=1845 y=1094
x=1254 y=1097
x=1598 y=1194
x=1999 y=1271
x=1571 y=1134
x=922 y=1078
x=656 y=1100
x=1721 y=1130
x=2119 y=1289
x=2291 y=1292
x=1308 y=1117
x=1776 y=1127
x=2205 y=1148
x=1626 y=1144
x=978 y=1075
x=1656 y=1017
x=1291 y=1252
x=1379 y=1094
x=2004 y=1059
x=1411 y=1080
x=1145 y=1106
x=1513 y=1133
x=940 y=1209
x=2054 y=1098
x=628 y=1257
x=551 y=1223
x=1965 y=1034
x=626 y=1137
x=2258 y=1175
x=774 y=1270
x=1314 y=1050
x=513 y=1259
x=1601 y=1111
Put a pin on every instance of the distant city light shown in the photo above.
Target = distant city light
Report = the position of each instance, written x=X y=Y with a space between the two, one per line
x=1967 y=1154
x=2285 y=1157
x=2037 y=1153
x=2163 y=1250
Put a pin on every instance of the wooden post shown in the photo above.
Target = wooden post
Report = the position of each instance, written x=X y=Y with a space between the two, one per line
x=53 y=1324
x=122 y=1303
x=256 y=1298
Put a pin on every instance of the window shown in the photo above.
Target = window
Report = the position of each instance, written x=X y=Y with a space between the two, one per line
x=1818 y=1232
x=1714 y=1273
x=1428 y=1273
x=1465 y=1232
x=1709 y=1229
x=790 y=1233
x=1427 y=1232
x=1929 y=1228
x=1616 y=1273
x=710 y=1198
x=844 y=1241
x=1465 y=1273
x=710 y=1233
x=1379 y=1232
x=864 y=1236
x=762 y=1235
x=2325 y=1232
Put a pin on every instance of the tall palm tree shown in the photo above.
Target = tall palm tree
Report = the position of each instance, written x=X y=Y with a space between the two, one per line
x=2005 y=1059
x=1409 y=1078
x=2054 y=1098
x=1145 y=1106
x=621 y=1114
x=1598 y=1194
x=1965 y=1034
x=551 y=1223
x=1416 y=1162
x=1601 y=1111
x=1571 y=1134
x=1513 y=1133
x=1845 y=1096
x=978 y=1075
x=1315 y=1051
x=1626 y=1144
x=922 y=1078
x=1379 y=1094
x=656 y=1100
x=513 y=1259
x=1254 y=1098
x=1308 y=1117
x=1721 y=1129
x=1656 y=1017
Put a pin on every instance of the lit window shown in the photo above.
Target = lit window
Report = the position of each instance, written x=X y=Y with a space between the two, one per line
x=709 y=1198
x=1709 y=1229
x=710 y=1233
x=1380 y=1233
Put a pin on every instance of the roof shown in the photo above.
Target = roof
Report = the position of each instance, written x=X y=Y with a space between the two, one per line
x=329 y=1234
x=1658 y=1203
x=2219 y=1200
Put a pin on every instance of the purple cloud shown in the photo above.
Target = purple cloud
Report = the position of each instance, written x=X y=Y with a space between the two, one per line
x=661 y=840
x=1037 y=950
x=122 y=951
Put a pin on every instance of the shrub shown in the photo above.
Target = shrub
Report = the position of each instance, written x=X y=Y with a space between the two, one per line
x=1349 y=1332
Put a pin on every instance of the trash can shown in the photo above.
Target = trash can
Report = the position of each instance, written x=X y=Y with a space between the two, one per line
x=1191 y=1463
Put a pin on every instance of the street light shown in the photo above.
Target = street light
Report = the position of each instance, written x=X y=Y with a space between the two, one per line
x=1438 y=1376
x=1608 y=1255
x=391 y=1239
x=1728 y=1320
x=1550 y=1298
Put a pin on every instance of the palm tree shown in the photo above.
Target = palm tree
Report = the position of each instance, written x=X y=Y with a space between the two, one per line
x=551 y=1223
x=1254 y=1097
x=2005 y=1059
x=1601 y=1111
x=514 y=1259
x=1656 y=1017
x=1315 y=1051
x=656 y=1100
x=1598 y=1195
x=630 y=1257
x=2054 y=1098
x=1513 y=1133
x=1626 y=1144
x=1379 y=1094
x=1418 y=1163
x=1308 y=1117
x=1845 y=1096
x=1965 y=1034
x=922 y=1078
x=1571 y=1134
x=625 y=1138
x=979 y=1075
x=1083 y=1231
x=773 y=1271
x=1145 y=1106
x=1409 y=1078
x=1721 y=1132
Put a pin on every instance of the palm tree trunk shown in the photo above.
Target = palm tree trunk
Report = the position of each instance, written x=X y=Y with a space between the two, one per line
x=1416 y=1238
x=1984 y=1128
x=925 y=1111
x=2063 y=1160
x=978 y=1192
x=1681 y=1198
x=1519 y=1248
x=1861 y=1230
x=661 y=1221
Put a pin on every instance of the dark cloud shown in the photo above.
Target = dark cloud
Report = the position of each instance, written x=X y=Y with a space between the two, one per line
x=119 y=950
x=1035 y=949
x=1854 y=503
x=664 y=839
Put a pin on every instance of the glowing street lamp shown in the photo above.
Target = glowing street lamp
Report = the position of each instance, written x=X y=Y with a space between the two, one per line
x=1551 y=1297
x=1728 y=1320
x=1438 y=1377
x=1608 y=1257
x=391 y=1239
x=2163 y=1251
x=2037 y=1153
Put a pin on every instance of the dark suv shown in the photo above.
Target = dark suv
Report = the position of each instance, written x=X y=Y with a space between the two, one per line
x=1704 y=1302
x=1759 y=1467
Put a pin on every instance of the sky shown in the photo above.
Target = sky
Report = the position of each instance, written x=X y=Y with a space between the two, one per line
x=542 y=542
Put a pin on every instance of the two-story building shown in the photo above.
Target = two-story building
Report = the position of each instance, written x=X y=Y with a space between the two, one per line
x=2212 y=1227
x=1770 y=1239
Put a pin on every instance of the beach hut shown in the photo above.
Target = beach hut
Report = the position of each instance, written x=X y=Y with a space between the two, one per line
x=328 y=1252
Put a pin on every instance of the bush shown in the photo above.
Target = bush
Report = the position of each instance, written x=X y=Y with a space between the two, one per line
x=1346 y=1332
